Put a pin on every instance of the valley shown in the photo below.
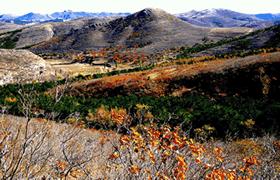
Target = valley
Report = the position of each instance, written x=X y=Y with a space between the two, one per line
x=144 y=95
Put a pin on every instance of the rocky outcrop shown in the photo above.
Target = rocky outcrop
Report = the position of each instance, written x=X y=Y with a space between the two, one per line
x=35 y=35
x=22 y=66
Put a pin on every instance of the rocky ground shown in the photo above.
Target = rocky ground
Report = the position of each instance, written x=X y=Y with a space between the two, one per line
x=23 y=66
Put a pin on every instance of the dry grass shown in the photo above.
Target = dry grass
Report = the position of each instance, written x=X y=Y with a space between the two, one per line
x=51 y=150
x=44 y=149
x=63 y=67
x=156 y=81
x=164 y=153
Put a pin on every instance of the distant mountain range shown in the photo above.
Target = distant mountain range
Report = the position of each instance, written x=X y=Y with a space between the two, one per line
x=228 y=18
x=70 y=15
x=151 y=30
x=206 y=18
x=55 y=17
x=7 y=18
x=269 y=17
x=32 y=18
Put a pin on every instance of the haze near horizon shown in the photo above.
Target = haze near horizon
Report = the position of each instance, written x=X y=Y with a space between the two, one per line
x=19 y=7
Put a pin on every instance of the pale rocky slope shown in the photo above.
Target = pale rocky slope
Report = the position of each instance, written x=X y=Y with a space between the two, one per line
x=22 y=66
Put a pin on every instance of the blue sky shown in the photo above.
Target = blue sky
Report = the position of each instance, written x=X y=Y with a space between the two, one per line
x=19 y=7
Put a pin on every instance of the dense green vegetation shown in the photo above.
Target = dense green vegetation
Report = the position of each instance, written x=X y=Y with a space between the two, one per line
x=275 y=39
x=226 y=114
x=194 y=110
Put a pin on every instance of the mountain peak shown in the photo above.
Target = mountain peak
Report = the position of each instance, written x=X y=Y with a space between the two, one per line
x=33 y=17
x=151 y=12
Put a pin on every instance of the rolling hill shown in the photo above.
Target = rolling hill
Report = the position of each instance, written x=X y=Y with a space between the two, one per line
x=241 y=76
x=28 y=36
x=206 y=18
x=6 y=27
x=224 y=18
x=150 y=29
x=145 y=96
x=250 y=43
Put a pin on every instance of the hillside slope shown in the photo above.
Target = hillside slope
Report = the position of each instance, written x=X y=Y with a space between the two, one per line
x=225 y=76
x=150 y=29
x=6 y=27
x=22 y=66
x=223 y=18
x=28 y=36
x=264 y=38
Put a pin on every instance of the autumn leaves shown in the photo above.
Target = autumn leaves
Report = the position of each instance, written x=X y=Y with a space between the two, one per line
x=150 y=152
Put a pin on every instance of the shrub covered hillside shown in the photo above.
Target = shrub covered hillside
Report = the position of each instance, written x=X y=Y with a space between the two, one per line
x=224 y=94
x=210 y=111
x=214 y=119
x=41 y=149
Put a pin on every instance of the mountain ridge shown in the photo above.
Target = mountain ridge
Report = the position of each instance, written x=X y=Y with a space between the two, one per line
x=149 y=29
x=66 y=15
x=247 y=20
x=224 y=18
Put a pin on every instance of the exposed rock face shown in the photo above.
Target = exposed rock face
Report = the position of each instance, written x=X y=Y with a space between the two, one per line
x=22 y=66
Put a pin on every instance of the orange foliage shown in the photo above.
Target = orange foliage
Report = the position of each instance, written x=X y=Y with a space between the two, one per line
x=115 y=116
x=10 y=99
x=119 y=116
x=164 y=145
x=134 y=169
